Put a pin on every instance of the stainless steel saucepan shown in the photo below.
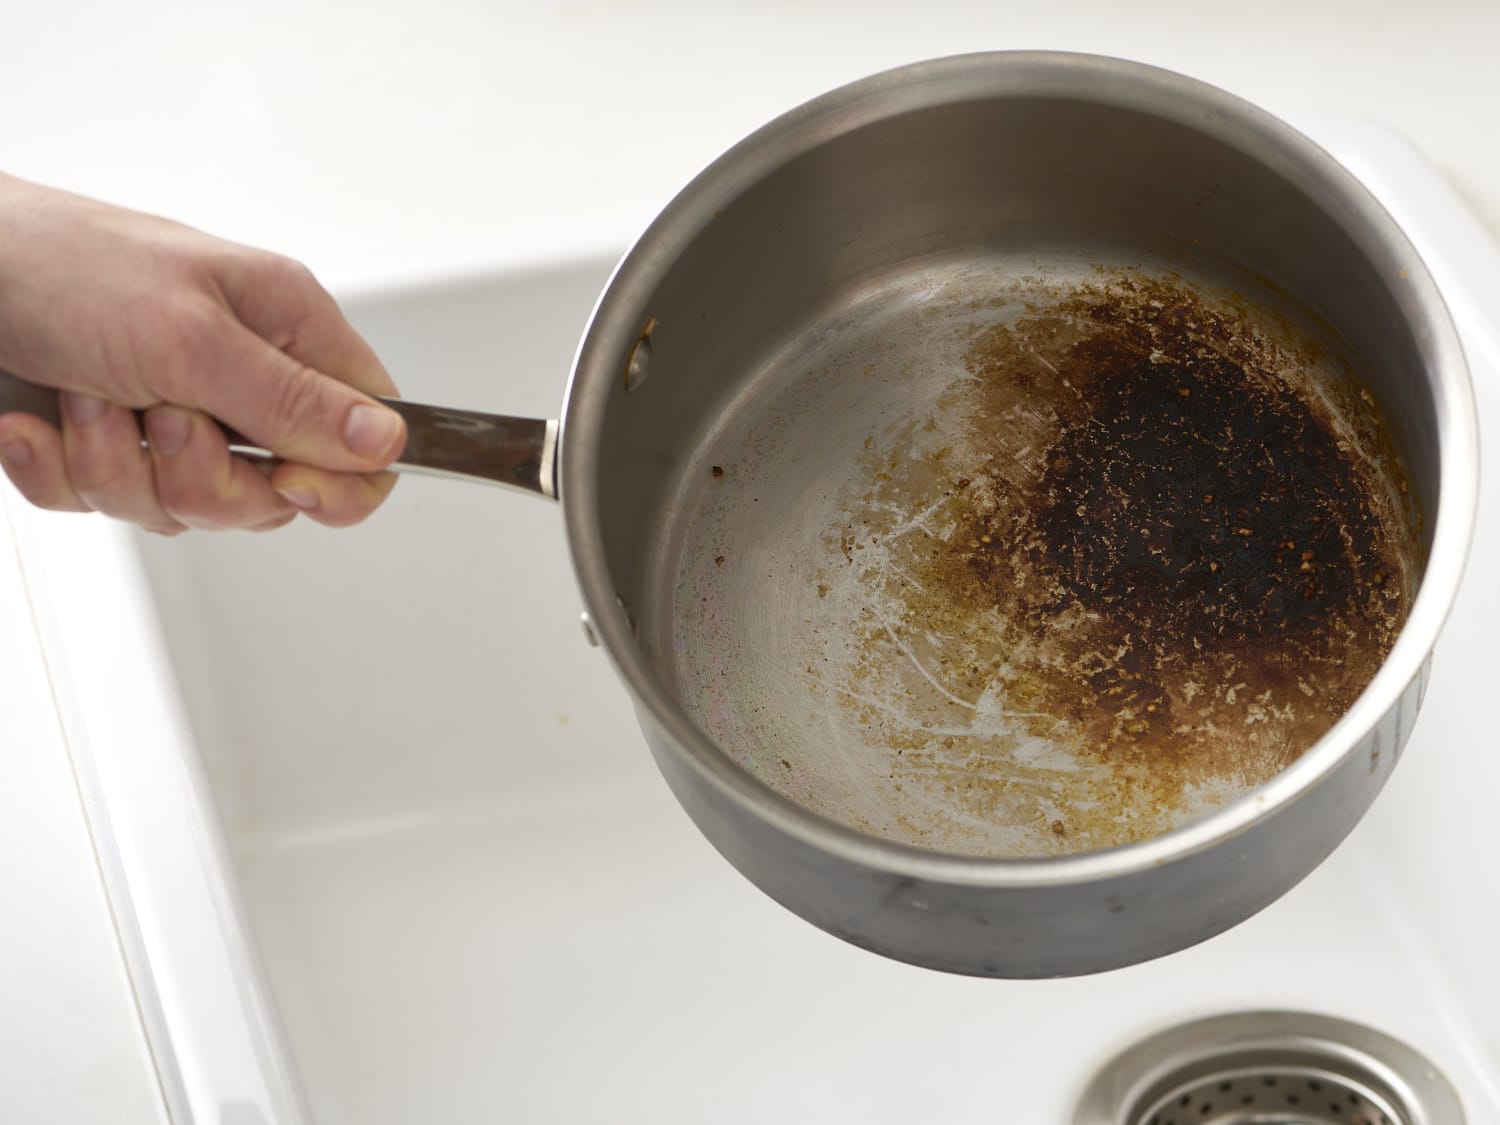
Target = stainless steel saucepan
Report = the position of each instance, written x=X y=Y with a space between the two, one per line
x=1021 y=493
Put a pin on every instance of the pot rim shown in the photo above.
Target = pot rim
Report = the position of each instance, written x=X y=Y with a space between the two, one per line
x=1102 y=80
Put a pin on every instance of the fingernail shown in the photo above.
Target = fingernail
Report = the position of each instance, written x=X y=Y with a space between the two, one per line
x=82 y=409
x=16 y=452
x=168 y=430
x=304 y=498
x=371 y=430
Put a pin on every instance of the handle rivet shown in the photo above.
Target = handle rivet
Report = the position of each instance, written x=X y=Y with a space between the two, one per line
x=638 y=366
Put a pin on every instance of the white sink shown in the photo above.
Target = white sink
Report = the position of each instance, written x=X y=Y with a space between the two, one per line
x=402 y=856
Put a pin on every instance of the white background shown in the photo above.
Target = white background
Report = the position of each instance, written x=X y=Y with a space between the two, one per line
x=348 y=132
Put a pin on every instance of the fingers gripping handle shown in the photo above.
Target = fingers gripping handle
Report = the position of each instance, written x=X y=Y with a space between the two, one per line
x=494 y=448
x=16 y=394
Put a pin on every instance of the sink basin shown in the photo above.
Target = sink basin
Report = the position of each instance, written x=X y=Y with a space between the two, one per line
x=385 y=845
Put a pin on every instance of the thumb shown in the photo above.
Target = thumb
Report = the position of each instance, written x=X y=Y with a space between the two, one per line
x=301 y=414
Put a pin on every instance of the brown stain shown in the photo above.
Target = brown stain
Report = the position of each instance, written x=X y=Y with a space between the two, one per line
x=1162 y=544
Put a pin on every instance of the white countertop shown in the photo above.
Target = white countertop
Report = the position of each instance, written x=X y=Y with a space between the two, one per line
x=371 y=138
x=345 y=132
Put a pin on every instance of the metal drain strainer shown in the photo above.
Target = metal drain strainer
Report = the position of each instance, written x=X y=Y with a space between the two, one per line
x=1270 y=1068
x=1269 y=1092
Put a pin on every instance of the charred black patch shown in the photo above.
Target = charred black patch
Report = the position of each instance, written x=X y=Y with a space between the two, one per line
x=1173 y=518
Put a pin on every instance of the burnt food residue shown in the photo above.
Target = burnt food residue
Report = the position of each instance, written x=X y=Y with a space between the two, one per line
x=1161 y=546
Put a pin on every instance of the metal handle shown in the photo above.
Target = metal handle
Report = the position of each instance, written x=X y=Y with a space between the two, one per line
x=494 y=448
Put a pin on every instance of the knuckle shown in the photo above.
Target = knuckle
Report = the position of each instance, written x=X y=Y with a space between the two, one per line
x=101 y=472
x=294 y=273
x=43 y=490
x=105 y=478
x=208 y=499
x=188 y=499
x=91 y=476
x=286 y=273
x=296 y=400
x=107 y=496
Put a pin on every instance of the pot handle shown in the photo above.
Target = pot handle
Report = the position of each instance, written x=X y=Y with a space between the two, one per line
x=493 y=448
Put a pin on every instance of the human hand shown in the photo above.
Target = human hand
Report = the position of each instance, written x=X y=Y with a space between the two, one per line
x=125 y=312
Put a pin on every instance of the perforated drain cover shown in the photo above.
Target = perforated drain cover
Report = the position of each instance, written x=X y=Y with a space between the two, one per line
x=1270 y=1068
x=1293 y=1095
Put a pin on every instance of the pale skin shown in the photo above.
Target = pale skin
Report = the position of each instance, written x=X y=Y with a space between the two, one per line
x=152 y=329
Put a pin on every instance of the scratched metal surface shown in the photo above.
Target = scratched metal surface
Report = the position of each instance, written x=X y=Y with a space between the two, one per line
x=850 y=629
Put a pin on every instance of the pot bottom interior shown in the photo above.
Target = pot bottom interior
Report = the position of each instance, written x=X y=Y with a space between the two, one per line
x=1028 y=557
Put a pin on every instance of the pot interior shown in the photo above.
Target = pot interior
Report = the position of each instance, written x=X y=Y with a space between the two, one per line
x=1019 y=475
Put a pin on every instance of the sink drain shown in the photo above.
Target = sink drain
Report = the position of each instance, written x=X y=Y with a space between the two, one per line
x=1270 y=1068
x=1271 y=1092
